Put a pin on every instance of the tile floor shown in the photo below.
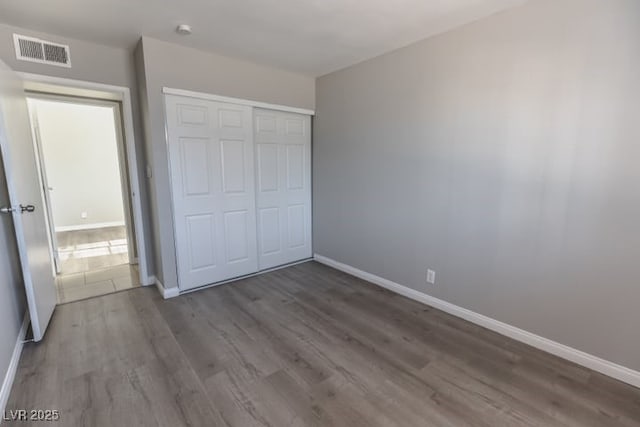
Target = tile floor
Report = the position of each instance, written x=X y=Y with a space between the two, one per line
x=86 y=250
x=94 y=262
x=78 y=286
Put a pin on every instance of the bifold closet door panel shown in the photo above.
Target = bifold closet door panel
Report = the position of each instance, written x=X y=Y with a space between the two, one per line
x=283 y=187
x=211 y=156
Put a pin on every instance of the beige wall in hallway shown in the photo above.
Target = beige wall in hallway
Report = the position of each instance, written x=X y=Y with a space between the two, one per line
x=504 y=155
x=80 y=151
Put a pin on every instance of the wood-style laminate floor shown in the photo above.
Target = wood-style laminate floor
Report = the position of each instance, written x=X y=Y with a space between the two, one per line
x=302 y=346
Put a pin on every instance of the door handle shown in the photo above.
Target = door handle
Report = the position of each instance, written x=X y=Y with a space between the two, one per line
x=27 y=208
x=7 y=210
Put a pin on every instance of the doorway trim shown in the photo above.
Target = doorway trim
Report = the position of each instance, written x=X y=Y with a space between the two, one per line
x=125 y=188
x=80 y=88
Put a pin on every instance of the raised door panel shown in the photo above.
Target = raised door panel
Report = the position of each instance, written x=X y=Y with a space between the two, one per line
x=295 y=126
x=295 y=166
x=296 y=232
x=236 y=236
x=267 y=167
x=201 y=241
x=233 y=166
x=195 y=166
x=192 y=115
x=231 y=118
x=270 y=234
x=266 y=124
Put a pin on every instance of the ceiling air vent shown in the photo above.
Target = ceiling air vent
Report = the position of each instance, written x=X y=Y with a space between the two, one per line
x=41 y=51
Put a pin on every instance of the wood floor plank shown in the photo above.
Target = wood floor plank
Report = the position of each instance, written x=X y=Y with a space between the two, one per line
x=302 y=346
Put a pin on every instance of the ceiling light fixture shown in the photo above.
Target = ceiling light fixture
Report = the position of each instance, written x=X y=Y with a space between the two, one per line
x=183 y=29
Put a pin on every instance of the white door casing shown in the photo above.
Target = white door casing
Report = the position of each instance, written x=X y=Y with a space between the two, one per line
x=126 y=188
x=99 y=91
x=23 y=182
x=212 y=181
x=283 y=187
x=46 y=188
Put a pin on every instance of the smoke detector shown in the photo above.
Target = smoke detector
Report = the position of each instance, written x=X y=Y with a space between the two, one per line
x=183 y=29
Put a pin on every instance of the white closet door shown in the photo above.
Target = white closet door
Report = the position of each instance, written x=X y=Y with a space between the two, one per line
x=212 y=175
x=283 y=187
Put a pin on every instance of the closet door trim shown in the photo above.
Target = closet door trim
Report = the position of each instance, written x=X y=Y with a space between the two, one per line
x=237 y=101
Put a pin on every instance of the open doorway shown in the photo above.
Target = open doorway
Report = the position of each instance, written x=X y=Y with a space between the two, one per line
x=84 y=178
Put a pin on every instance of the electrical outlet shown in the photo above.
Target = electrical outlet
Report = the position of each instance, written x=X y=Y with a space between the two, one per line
x=431 y=277
x=84 y=215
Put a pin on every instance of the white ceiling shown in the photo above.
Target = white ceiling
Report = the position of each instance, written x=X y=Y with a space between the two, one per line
x=313 y=37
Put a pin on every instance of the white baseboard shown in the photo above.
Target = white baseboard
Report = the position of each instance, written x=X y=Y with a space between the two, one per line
x=89 y=226
x=597 y=364
x=13 y=364
x=166 y=293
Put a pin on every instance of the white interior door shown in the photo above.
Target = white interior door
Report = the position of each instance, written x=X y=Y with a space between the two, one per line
x=27 y=206
x=46 y=188
x=212 y=182
x=283 y=181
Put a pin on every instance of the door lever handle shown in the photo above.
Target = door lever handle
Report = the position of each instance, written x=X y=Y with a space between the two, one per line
x=27 y=208
x=7 y=210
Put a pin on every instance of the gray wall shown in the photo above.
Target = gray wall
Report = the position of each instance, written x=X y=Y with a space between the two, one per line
x=505 y=156
x=161 y=64
x=94 y=63
x=91 y=62
x=12 y=297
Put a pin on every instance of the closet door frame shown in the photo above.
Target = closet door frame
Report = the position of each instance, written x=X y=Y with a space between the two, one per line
x=240 y=102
